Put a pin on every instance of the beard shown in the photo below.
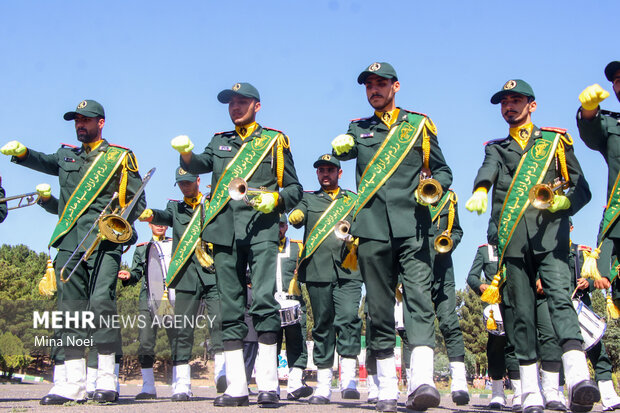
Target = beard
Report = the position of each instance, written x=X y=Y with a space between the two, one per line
x=85 y=136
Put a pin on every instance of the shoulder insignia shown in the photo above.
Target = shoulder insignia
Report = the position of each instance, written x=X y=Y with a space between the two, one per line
x=611 y=114
x=310 y=192
x=556 y=130
x=351 y=192
x=174 y=200
x=482 y=246
x=415 y=113
x=360 y=119
x=279 y=131
x=492 y=141
x=66 y=145
x=141 y=244
x=118 y=146
x=228 y=132
x=584 y=248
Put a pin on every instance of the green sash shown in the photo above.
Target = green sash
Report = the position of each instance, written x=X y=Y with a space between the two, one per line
x=436 y=210
x=389 y=156
x=338 y=210
x=612 y=210
x=531 y=171
x=243 y=165
x=95 y=179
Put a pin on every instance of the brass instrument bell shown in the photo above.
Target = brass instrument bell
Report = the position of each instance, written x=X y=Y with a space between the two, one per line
x=541 y=195
x=239 y=190
x=443 y=242
x=342 y=229
x=429 y=189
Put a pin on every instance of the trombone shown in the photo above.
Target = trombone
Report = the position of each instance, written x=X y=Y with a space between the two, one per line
x=25 y=200
x=113 y=227
x=541 y=195
x=429 y=189
x=239 y=190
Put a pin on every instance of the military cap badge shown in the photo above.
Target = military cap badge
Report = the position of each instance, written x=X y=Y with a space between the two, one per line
x=82 y=104
x=374 y=67
x=511 y=84
x=326 y=157
x=236 y=87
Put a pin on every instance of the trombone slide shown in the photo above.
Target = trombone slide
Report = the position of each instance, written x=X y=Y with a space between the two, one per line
x=25 y=200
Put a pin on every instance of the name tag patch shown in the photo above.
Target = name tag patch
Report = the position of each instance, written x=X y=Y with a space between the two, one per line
x=69 y=160
x=225 y=148
x=367 y=135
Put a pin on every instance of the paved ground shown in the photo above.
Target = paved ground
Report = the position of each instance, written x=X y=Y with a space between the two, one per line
x=25 y=398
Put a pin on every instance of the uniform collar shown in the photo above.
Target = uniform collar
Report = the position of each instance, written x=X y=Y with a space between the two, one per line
x=193 y=202
x=99 y=146
x=282 y=244
x=324 y=194
x=246 y=130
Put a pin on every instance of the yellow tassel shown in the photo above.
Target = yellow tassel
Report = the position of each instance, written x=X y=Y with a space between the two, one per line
x=491 y=294
x=491 y=324
x=350 y=261
x=589 y=268
x=398 y=293
x=283 y=143
x=165 y=308
x=612 y=310
x=47 y=285
x=293 y=286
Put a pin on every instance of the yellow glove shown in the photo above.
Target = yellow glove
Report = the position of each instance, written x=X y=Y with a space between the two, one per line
x=146 y=215
x=478 y=201
x=44 y=191
x=265 y=203
x=296 y=217
x=182 y=143
x=592 y=96
x=13 y=148
x=559 y=203
x=343 y=144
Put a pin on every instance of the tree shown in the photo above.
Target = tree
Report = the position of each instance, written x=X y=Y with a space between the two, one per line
x=13 y=355
x=469 y=309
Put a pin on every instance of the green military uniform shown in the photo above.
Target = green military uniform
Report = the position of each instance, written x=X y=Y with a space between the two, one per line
x=147 y=336
x=242 y=236
x=193 y=282
x=3 y=206
x=602 y=134
x=443 y=287
x=95 y=280
x=597 y=353
x=539 y=244
x=296 y=349
x=394 y=230
x=335 y=292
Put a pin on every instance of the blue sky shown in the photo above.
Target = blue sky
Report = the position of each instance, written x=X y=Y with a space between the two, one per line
x=157 y=67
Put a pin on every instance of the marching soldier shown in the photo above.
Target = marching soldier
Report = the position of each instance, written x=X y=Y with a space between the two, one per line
x=596 y=354
x=193 y=280
x=394 y=147
x=147 y=335
x=446 y=234
x=600 y=131
x=534 y=241
x=242 y=234
x=296 y=350
x=93 y=284
x=335 y=292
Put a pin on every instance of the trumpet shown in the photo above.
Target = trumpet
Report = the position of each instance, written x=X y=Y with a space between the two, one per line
x=341 y=230
x=239 y=190
x=429 y=189
x=113 y=227
x=443 y=242
x=541 y=195
x=25 y=200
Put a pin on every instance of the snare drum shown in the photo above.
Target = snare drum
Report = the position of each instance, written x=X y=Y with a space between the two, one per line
x=290 y=312
x=592 y=326
x=158 y=258
x=497 y=316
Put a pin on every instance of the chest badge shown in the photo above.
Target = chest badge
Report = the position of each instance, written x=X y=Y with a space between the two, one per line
x=225 y=148
x=367 y=135
x=69 y=159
